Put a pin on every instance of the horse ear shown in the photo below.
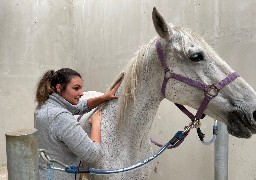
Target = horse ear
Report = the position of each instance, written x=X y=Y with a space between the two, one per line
x=161 y=26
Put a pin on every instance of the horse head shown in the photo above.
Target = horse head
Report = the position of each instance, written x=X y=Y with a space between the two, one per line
x=189 y=56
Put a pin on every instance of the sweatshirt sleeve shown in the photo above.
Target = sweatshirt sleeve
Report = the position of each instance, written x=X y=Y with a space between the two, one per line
x=69 y=131
x=81 y=108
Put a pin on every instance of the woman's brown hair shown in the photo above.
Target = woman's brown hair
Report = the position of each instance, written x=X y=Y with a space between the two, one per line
x=48 y=82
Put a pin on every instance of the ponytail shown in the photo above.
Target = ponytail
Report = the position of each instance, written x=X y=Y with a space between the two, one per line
x=44 y=88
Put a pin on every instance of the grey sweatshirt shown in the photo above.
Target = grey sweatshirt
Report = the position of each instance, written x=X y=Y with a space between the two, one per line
x=62 y=136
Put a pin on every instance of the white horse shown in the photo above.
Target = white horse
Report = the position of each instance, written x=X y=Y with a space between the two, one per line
x=127 y=121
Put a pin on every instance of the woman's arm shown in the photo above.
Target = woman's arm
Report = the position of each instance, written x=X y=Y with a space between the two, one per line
x=94 y=102
x=95 y=122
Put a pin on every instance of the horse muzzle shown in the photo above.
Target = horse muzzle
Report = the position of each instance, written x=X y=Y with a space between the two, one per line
x=240 y=124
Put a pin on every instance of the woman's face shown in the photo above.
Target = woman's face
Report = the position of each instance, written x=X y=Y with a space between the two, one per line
x=73 y=91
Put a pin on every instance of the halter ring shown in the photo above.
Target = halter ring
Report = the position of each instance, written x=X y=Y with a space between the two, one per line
x=212 y=91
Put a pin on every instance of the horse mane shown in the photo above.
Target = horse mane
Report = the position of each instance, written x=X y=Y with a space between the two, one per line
x=129 y=77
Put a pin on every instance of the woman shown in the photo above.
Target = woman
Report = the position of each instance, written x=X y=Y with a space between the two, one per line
x=57 y=95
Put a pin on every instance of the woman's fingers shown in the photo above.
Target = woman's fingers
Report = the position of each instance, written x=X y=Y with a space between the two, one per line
x=96 y=117
x=116 y=86
x=113 y=91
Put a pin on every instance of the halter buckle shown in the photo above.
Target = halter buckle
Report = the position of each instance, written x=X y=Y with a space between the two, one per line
x=212 y=91
x=194 y=124
x=167 y=74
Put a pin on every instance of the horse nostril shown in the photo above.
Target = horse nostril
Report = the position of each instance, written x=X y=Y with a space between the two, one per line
x=254 y=115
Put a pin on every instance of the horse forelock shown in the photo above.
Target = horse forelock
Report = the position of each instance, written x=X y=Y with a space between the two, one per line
x=197 y=39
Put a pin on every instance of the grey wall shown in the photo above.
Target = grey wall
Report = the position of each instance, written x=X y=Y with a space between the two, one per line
x=98 y=38
x=34 y=36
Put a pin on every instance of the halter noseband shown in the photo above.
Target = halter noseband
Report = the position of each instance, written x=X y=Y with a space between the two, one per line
x=210 y=91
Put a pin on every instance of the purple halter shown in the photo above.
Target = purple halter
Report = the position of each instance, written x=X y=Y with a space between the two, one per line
x=210 y=91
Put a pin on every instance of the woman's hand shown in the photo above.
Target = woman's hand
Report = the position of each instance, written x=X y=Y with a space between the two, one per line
x=94 y=102
x=111 y=94
x=96 y=118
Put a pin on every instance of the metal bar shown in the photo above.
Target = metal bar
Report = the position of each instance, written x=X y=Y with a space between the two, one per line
x=221 y=153
x=22 y=154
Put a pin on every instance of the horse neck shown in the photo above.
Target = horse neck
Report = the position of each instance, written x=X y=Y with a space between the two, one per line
x=142 y=110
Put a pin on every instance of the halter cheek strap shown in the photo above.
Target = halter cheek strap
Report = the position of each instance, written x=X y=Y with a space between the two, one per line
x=210 y=91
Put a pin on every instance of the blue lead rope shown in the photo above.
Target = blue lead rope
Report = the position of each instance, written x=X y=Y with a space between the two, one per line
x=72 y=169
x=177 y=139
x=179 y=136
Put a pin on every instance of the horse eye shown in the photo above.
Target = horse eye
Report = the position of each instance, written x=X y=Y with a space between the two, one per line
x=197 y=57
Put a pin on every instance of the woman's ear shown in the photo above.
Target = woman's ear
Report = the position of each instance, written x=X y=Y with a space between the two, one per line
x=58 y=88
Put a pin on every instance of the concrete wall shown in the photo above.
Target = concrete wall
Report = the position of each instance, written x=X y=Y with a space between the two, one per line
x=98 y=38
